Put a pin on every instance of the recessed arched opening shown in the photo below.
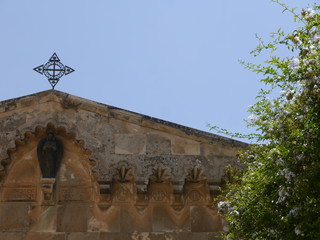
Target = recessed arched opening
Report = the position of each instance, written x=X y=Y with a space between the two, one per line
x=49 y=153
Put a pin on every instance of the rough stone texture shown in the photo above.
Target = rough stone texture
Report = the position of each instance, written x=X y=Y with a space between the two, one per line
x=204 y=219
x=182 y=146
x=102 y=189
x=45 y=235
x=83 y=236
x=14 y=217
x=12 y=235
x=130 y=144
x=73 y=217
x=114 y=236
x=166 y=219
x=133 y=219
x=105 y=219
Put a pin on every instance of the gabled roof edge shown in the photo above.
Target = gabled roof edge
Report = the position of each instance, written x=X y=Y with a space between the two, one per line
x=187 y=130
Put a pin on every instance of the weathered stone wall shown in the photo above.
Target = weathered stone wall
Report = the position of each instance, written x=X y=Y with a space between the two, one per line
x=123 y=175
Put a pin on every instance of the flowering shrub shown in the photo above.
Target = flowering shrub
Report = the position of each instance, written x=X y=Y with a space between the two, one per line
x=277 y=195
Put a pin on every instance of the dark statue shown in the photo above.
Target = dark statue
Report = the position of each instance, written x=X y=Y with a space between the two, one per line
x=50 y=152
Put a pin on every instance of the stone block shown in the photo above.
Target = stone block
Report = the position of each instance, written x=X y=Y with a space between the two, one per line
x=182 y=146
x=171 y=236
x=166 y=219
x=83 y=236
x=11 y=235
x=211 y=149
x=19 y=192
x=132 y=219
x=105 y=219
x=14 y=217
x=73 y=217
x=158 y=145
x=130 y=143
x=75 y=193
x=114 y=236
x=197 y=236
x=45 y=235
x=204 y=219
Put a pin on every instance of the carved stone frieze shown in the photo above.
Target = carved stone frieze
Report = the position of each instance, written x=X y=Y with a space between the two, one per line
x=159 y=175
x=75 y=193
x=196 y=189
x=159 y=187
x=47 y=185
x=44 y=177
x=123 y=186
x=146 y=189
x=23 y=192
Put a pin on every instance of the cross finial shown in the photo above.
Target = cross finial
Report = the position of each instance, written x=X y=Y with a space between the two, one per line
x=54 y=70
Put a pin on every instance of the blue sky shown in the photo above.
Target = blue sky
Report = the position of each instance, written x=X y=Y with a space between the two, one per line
x=176 y=60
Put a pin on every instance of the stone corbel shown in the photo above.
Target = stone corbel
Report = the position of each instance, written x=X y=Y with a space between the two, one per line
x=123 y=186
x=196 y=189
x=160 y=188
x=47 y=186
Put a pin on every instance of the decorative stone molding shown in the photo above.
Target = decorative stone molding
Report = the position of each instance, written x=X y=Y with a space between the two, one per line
x=123 y=186
x=196 y=189
x=195 y=175
x=40 y=133
x=21 y=185
x=160 y=188
x=159 y=175
x=19 y=192
x=142 y=200
x=47 y=186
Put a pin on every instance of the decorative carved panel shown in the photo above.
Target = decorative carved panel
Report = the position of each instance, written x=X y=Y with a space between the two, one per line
x=75 y=193
x=196 y=189
x=20 y=193
x=160 y=188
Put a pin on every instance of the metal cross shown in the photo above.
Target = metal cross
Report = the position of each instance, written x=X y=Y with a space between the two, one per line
x=54 y=70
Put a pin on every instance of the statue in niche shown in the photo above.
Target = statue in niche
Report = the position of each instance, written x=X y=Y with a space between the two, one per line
x=50 y=152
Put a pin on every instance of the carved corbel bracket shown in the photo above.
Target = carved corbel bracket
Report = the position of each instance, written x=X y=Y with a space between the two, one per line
x=196 y=189
x=160 y=188
x=47 y=186
x=123 y=186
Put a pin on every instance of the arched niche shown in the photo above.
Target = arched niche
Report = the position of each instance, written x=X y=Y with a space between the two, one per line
x=22 y=180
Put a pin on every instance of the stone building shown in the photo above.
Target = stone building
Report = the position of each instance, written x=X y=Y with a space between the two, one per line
x=71 y=168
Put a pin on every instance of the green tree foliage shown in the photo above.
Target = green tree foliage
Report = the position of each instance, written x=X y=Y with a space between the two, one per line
x=277 y=195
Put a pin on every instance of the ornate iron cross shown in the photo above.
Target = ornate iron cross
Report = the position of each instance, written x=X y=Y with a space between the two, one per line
x=54 y=70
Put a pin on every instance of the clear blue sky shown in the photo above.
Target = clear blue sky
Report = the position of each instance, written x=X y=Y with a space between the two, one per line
x=176 y=60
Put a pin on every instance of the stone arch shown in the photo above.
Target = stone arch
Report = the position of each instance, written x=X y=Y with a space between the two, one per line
x=20 y=175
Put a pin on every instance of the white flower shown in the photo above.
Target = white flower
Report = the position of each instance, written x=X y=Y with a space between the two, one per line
x=289 y=175
x=298 y=231
x=316 y=39
x=222 y=207
x=235 y=212
x=221 y=204
x=299 y=118
x=296 y=40
x=307 y=13
x=280 y=162
x=282 y=195
x=293 y=211
x=294 y=64
x=252 y=117
x=254 y=234
x=311 y=47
